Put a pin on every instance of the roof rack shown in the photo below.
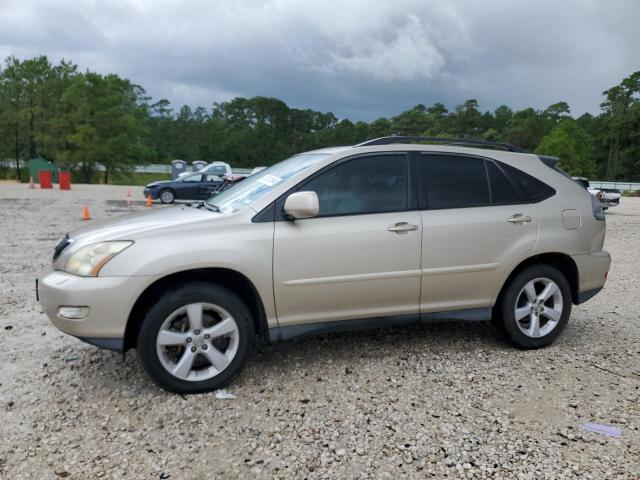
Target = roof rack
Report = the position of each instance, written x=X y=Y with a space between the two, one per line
x=448 y=141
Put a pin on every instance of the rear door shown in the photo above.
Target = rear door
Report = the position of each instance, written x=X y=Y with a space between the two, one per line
x=475 y=225
x=360 y=258
x=208 y=185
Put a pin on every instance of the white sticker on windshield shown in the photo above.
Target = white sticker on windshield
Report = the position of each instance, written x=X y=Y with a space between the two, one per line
x=270 y=180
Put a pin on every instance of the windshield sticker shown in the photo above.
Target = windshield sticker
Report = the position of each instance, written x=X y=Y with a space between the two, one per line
x=270 y=180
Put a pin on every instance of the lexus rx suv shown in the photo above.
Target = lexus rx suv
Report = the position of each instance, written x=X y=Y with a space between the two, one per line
x=393 y=231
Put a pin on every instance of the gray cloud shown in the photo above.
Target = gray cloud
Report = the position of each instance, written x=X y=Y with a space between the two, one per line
x=359 y=59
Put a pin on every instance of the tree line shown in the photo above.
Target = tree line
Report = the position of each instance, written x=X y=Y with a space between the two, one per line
x=80 y=119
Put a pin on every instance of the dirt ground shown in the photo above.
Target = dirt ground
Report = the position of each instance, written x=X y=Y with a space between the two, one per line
x=440 y=401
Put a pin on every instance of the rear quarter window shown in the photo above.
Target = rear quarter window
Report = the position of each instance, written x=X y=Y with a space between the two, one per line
x=534 y=190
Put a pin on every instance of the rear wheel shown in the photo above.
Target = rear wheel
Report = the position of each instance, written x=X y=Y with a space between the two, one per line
x=196 y=338
x=167 y=196
x=536 y=306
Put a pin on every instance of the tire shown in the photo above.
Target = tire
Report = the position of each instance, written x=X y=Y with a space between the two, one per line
x=552 y=314
x=167 y=196
x=169 y=336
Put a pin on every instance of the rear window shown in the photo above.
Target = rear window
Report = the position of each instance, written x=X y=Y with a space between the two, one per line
x=534 y=190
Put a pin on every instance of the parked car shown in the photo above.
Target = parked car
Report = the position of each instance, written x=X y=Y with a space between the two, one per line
x=193 y=186
x=607 y=196
x=221 y=169
x=611 y=195
x=387 y=232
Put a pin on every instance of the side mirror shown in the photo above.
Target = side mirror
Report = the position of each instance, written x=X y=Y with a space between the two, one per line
x=302 y=205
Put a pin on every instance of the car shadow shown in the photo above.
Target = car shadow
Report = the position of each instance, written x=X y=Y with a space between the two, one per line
x=102 y=370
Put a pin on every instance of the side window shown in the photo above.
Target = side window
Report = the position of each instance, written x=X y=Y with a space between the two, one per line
x=217 y=170
x=371 y=184
x=194 y=178
x=502 y=191
x=449 y=181
x=533 y=189
x=212 y=178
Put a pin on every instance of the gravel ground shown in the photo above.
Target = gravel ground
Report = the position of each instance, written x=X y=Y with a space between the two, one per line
x=441 y=401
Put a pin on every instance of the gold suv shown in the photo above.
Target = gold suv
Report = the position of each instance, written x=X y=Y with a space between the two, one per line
x=392 y=231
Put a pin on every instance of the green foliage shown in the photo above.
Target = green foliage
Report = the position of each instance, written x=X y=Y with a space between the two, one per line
x=107 y=125
x=84 y=119
x=572 y=144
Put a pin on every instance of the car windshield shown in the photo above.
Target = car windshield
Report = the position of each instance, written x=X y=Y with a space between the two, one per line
x=256 y=186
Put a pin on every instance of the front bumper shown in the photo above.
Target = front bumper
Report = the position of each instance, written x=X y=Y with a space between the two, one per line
x=150 y=191
x=592 y=273
x=110 y=300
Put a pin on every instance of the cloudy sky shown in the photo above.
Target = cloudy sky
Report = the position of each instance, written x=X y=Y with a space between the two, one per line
x=360 y=59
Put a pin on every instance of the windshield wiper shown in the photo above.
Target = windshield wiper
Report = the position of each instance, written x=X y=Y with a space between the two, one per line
x=211 y=206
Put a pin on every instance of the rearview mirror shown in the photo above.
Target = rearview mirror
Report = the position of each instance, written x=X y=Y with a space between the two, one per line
x=301 y=205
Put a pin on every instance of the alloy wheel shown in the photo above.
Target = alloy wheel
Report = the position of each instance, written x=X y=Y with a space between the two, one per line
x=539 y=306
x=166 y=196
x=197 y=341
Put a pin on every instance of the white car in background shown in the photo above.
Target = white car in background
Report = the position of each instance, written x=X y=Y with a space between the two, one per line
x=608 y=196
x=220 y=169
x=223 y=170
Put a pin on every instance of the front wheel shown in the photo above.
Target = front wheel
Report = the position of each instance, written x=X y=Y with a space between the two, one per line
x=536 y=306
x=196 y=338
x=167 y=196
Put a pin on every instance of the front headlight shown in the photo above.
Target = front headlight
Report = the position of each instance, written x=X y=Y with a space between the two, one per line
x=88 y=261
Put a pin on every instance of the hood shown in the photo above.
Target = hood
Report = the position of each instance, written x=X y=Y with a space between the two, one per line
x=159 y=182
x=128 y=227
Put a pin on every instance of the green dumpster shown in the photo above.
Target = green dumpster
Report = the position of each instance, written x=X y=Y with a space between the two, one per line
x=37 y=164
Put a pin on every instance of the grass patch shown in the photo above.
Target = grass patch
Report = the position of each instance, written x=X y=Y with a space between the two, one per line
x=141 y=178
x=630 y=193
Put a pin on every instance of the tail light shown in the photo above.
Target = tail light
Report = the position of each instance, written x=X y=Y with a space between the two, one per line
x=596 y=205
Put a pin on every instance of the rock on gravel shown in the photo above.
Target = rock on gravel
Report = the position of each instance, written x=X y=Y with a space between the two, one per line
x=441 y=401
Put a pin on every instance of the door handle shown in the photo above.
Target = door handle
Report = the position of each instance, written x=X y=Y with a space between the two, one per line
x=519 y=219
x=401 y=227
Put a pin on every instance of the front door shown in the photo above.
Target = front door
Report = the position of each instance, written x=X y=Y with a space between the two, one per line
x=360 y=258
x=189 y=188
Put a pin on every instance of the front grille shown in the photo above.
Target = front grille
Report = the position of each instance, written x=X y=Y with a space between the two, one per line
x=63 y=243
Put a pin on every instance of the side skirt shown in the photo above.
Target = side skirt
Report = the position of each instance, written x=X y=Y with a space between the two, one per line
x=279 y=334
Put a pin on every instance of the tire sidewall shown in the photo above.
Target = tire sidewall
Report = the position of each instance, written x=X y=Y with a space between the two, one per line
x=511 y=296
x=171 y=301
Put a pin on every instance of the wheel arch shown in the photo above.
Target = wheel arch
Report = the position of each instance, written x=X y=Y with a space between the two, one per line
x=228 y=278
x=561 y=261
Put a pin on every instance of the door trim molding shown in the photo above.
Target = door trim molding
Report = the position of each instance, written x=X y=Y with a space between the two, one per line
x=358 y=277
x=481 y=267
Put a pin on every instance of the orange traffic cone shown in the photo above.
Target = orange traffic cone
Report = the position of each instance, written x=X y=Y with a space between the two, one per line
x=149 y=201
x=85 y=213
x=31 y=185
x=128 y=192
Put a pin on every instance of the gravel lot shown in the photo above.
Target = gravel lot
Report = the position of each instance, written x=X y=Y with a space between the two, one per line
x=444 y=401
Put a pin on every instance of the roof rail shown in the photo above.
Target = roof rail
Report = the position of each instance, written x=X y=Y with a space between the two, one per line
x=448 y=141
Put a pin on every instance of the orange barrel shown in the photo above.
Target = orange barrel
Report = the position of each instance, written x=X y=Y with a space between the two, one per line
x=64 y=179
x=45 y=178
